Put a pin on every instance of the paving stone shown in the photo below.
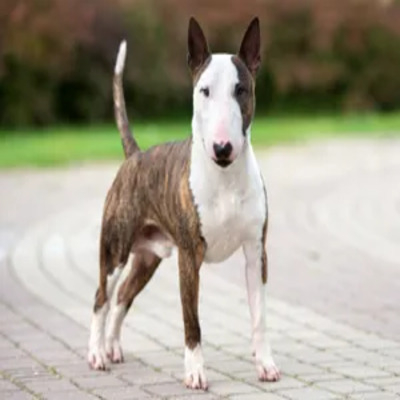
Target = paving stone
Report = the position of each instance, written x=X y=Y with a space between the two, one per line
x=168 y=389
x=125 y=393
x=393 y=369
x=20 y=396
x=285 y=382
x=147 y=376
x=10 y=352
x=227 y=353
x=50 y=357
x=161 y=359
x=54 y=385
x=69 y=395
x=232 y=366
x=361 y=372
x=227 y=388
x=392 y=352
x=375 y=396
x=373 y=344
x=80 y=369
x=24 y=373
x=257 y=396
x=95 y=382
x=393 y=388
x=316 y=356
x=197 y=396
x=308 y=393
x=321 y=377
x=6 y=386
x=346 y=386
x=16 y=363
x=27 y=380
x=383 y=382
x=295 y=368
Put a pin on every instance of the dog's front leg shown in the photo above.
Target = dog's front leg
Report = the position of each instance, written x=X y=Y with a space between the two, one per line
x=256 y=263
x=189 y=267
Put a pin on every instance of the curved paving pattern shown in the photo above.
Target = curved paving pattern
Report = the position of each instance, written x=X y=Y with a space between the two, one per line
x=334 y=284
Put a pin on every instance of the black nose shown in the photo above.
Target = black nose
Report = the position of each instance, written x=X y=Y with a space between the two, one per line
x=222 y=151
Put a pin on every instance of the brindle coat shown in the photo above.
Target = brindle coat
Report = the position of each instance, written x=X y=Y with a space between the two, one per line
x=151 y=197
x=153 y=186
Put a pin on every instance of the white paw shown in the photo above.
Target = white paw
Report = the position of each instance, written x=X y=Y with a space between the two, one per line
x=196 y=380
x=97 y=358
x=268 y=371
x=195 y=377
x=114 y=351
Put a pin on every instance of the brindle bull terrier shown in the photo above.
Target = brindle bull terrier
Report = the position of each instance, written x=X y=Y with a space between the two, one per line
x=204 y=195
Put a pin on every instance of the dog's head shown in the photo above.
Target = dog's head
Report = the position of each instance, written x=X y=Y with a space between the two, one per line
x=223 y=93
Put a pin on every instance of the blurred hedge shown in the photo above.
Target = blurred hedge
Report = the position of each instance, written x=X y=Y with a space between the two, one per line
x=57 y=56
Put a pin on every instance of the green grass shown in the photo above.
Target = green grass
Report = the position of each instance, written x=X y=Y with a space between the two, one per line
x=62 y=145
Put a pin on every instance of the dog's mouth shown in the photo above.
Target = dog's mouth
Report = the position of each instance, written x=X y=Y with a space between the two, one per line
x=223 y=162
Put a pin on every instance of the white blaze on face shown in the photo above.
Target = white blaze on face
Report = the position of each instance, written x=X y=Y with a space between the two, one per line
x=217 y=118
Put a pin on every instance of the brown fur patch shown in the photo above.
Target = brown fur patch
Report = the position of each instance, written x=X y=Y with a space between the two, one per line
x=264 y=256
x=185 y=196
x=198 y=71
x=143 y=267
x=128 y=141
x=190 y=260
x=246 y=100
x=99 y=299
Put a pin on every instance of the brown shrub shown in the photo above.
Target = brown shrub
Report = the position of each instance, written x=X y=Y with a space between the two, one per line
x=56 y=56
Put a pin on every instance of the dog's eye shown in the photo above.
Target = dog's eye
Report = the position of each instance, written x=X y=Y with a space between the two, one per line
x=205 y=91
x=240 y=90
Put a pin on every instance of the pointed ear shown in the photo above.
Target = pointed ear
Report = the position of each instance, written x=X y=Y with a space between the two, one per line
x=251 y=46
x=198 y=51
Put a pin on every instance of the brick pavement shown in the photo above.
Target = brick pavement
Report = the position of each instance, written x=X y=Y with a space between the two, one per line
x=334 y=285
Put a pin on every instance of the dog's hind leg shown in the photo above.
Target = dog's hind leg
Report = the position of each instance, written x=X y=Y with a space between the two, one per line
x=97 y=355
x=115 y=244
x=144 y=265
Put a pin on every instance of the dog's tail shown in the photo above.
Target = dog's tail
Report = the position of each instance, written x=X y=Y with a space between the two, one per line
x=128 y=142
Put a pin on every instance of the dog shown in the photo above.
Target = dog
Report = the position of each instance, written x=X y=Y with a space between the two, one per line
x=204 y=196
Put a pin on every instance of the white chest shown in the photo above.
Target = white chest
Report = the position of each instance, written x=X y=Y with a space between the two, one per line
x=231 y=206
x=227 y=221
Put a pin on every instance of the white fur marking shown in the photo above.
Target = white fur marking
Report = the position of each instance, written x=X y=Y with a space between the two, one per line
x=112 y=281
x=161 y=249
x=97 y=353
x=113 y=338
x=159 y=243
x=256 y=292
x=217 y=118
x=120 y=64
x=161 y=246
x=195 y=377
